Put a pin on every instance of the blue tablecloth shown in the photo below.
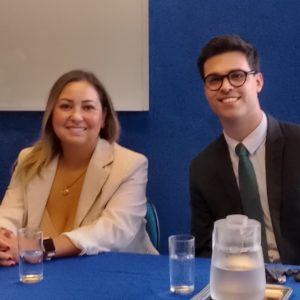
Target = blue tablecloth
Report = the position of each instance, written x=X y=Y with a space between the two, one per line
x=105 y=276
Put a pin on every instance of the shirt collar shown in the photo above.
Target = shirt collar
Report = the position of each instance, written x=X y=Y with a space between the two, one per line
x=253 y=140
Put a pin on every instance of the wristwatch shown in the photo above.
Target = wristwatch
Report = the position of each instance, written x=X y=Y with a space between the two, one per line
x=49 y=248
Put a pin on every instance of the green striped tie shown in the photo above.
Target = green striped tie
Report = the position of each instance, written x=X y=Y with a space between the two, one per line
x=249 y=193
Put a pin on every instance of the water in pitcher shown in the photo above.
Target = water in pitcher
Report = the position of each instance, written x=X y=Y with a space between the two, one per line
x=245 y=284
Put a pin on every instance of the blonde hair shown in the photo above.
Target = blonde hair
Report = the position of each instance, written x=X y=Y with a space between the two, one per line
x=48 y=146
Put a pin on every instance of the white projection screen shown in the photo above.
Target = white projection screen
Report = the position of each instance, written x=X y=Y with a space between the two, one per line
x=42 y=39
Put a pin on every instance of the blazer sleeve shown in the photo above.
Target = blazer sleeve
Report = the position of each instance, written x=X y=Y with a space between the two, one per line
x=122 y=220
x=12 y=208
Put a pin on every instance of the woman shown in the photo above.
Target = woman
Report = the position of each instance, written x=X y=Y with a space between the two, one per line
x=76 y=184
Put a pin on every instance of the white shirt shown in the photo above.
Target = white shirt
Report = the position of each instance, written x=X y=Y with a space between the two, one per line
x=255 y=144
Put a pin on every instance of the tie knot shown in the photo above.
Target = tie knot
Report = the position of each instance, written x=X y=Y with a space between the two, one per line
x=241 y=150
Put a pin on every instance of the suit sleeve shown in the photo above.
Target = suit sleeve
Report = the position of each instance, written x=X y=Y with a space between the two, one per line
x=202 y=220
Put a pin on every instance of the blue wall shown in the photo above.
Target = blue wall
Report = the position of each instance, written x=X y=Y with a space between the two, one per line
x=180 y=123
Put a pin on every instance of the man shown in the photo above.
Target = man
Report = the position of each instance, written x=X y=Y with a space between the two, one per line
x=230 y=69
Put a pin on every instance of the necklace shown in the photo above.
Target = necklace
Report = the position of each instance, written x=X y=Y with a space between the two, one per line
x=66 y=189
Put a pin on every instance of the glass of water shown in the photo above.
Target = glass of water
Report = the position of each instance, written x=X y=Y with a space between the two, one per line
x=182 y=263
x=30 y=245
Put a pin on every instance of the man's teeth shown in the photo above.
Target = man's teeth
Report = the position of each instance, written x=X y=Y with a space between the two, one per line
x=229 y=100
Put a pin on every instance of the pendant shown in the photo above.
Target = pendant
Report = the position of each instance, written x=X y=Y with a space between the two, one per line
x=65 y=191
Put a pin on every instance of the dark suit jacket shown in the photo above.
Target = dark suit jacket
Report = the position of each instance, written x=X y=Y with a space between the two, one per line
x=214 y=191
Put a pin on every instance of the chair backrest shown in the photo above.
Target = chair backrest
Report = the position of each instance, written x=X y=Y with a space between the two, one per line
x=152 y=225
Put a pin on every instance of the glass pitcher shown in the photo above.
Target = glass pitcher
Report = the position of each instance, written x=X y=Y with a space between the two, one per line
x=237 y=265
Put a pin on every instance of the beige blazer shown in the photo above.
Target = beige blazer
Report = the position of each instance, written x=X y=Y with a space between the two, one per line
x=112 y=205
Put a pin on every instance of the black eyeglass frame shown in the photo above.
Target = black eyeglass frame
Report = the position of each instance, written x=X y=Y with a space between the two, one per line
x=221 y=77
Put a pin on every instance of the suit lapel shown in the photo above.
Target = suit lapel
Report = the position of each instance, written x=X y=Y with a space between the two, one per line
x=37 y=194
x=96 y=175
x=274 y=159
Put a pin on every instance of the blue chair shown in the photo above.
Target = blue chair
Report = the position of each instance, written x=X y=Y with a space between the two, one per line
x=152 y=225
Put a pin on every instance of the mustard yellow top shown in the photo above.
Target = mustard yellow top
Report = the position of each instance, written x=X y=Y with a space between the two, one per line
x=61 y=208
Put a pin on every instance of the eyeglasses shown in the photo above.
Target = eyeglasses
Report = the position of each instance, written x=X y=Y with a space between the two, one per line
x=236 y=78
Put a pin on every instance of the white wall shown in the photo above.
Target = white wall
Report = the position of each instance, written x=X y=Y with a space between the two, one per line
x=42 y=39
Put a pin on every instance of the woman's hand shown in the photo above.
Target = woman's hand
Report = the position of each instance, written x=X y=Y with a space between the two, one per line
x=8 y=248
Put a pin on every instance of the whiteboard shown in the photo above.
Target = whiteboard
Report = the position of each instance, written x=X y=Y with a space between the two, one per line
x=42 y=39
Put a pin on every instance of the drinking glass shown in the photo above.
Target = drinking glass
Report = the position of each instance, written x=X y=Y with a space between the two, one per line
x=182 y=263
x=30 y=246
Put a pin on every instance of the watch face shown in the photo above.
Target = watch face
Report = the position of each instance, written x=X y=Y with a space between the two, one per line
x=49 y=246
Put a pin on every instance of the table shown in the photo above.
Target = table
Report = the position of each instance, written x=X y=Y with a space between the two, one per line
x=106 y=276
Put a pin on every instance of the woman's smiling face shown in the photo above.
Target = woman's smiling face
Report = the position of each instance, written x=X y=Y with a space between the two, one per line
x=78 y=115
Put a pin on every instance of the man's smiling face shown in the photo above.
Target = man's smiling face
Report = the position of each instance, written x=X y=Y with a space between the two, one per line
x=229 y=102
